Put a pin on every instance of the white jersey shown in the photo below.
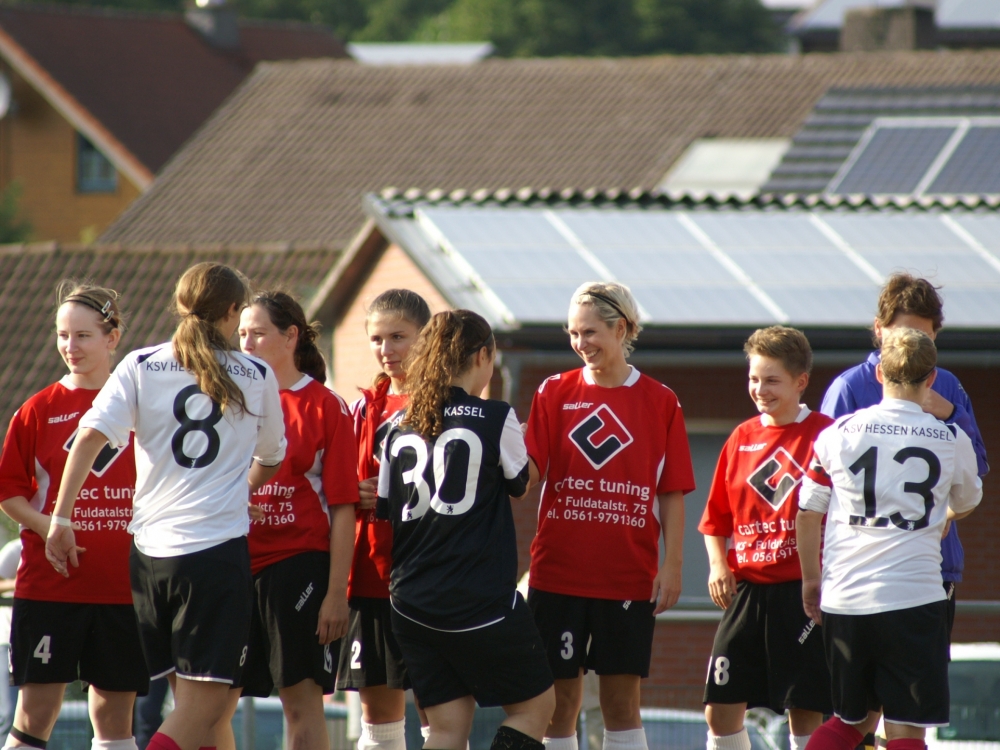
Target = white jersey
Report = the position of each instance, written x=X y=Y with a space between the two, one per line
x=191 y=459
x=885 y=477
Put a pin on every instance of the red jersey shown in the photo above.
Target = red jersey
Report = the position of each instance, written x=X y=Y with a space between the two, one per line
x=605 y=454
x=318 y=471
x=373 y=536
x=31 y=466
x=755 y=496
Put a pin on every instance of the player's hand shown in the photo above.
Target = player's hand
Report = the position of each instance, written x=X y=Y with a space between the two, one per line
x=333 y=617
x=368 y=492
x=721 y=585
x=61 y=548
x=937 y=405
x=947 y=528
x=810 y=600
x=666 y=588
x=256 y=512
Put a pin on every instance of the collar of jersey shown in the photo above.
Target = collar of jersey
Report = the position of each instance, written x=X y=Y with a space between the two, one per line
x=804 y=411
x=632 y=379
x=303 y=382
x=902 y=404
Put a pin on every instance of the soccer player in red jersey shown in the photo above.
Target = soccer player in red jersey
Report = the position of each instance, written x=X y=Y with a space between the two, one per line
x=610 y=445
x=83 y=625
x=370 y=659
x=767 y=652
x=208 y=431
x=302 y=542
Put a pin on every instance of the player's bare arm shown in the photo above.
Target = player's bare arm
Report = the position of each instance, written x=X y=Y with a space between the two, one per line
x=260 y=474
x=721 y=581
x=667 y=584
x=21 y=512
x=808 y=525
x=60 y=544
x=334 y=612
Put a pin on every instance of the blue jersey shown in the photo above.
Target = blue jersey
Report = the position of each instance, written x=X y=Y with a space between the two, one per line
x=858 y=388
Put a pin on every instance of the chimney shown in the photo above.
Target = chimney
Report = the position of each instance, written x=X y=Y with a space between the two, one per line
x=216 y=21
x=869 y=29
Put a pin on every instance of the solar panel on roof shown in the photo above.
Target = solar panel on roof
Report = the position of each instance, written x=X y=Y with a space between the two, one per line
x=894 y=160
x=974 y=167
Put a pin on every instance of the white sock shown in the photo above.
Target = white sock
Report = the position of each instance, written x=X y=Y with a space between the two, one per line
x=425 y=732
x=561 y=743
x=391 y=736
x=630 y=739
x=128 y=744
x=738 y=741
x=798 y=741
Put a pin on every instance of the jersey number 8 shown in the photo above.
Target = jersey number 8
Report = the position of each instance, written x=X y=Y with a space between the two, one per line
x=206 y=426
x=415 y=476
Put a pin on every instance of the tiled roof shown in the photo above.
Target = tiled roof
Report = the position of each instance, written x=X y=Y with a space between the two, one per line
x=290 y=155
x=145 y=276
x=840 y=118
x=150 y=79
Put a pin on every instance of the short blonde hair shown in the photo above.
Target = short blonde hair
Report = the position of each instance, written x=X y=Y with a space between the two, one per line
x=787 y=345
x=612 y=301
x=908 y=356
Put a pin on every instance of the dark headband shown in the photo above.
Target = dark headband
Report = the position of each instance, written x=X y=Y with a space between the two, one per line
x=106 y=312
x=608 y=300
x=477 y=347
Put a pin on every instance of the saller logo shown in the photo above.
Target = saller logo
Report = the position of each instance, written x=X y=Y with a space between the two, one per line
x=600 y=436
x=776 y=478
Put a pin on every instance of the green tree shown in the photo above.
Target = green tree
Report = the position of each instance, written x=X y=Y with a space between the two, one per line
x=13 y=226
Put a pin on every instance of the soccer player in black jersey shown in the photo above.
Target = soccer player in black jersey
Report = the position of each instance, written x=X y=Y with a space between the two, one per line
x=447 y=473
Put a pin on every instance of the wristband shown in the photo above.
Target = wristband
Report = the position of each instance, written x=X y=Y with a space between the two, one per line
x=61 y=521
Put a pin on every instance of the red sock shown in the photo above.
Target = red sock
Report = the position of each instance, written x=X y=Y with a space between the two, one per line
x=160 y=741
x=836 y=735
x=206 y=747
x=905 y=744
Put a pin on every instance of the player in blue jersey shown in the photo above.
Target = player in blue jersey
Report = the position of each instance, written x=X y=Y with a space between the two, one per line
x=910 y=302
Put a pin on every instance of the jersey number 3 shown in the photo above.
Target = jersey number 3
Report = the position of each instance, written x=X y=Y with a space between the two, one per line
x=206 y=426
x=415 y=476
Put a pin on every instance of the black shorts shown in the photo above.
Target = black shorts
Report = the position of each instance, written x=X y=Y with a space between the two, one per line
x=768 y=653
x=369 y=654
x=63 y=641
x=284 y=649
x=896 y=661
x=194 y=611
x=499 y=665
x=604 y=635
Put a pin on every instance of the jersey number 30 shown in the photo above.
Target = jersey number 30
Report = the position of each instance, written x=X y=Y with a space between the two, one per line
x=415 y=476
x=206 y=426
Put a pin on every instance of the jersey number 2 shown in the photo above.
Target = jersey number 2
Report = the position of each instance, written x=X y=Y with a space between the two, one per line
x=206 y=426
x=415 y=476
x=868 y=463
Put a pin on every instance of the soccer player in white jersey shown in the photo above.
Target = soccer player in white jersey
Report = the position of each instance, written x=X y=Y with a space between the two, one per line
x=888 y=478
x=611 y=445
x=302 y=544
x=767 y=652
x=83 y=626
x=445 y=481
x=208 y=429
x=370 y=659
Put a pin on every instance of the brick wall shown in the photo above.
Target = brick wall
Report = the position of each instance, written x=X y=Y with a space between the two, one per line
x=38 y=148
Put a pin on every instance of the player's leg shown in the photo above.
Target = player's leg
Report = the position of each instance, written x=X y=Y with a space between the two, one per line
x=562 y=623
x=198 y=707
x=450 y=724
x=221 y=736
x=620 y=650
x=36 y=713
x=304 y=717
x=372 y=664
x=111 y=715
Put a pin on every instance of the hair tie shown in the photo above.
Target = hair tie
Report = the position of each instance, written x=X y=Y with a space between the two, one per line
x=476 y=348
x=105 y=311
x=608 y=300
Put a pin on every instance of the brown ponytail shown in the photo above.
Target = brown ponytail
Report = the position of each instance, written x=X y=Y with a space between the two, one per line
x=908 y=356
x=284 y=313
x=443 y=352
x=204 y=295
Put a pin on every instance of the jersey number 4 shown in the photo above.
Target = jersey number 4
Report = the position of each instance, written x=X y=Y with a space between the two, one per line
x=205 y=425
x=868 y=463
x=415 y=476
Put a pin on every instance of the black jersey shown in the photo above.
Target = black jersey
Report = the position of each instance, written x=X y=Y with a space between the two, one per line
x=454 y=552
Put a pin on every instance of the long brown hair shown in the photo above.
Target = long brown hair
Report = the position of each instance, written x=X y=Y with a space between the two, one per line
x=443 y=352
x=285 y=312
x=204 y=295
